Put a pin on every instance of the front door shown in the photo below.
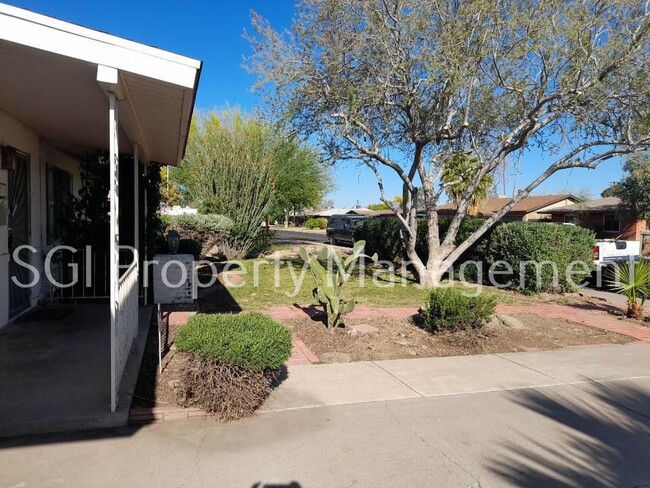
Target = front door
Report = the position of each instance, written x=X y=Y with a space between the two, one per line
x=18 y=220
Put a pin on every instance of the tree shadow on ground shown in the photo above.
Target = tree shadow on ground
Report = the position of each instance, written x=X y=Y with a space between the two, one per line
x=216 y=298
x=599 y=307
x=293 y=484
x=604 y=442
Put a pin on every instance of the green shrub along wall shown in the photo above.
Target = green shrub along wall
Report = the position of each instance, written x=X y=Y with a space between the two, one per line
x=201 y=233
x=521 y=242
x=319 y=223
x=382 y=236
x=212 y=223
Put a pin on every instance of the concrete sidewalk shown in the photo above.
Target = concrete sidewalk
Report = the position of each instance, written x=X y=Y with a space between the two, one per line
x=572 y=417
x=376 y=381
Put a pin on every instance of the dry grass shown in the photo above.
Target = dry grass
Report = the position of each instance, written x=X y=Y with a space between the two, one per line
x=226 y=391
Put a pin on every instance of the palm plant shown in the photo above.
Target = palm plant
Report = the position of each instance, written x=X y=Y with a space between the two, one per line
x=633 y=281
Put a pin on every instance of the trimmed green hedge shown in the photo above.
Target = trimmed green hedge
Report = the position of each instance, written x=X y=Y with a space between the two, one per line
x=213 y=223
x=250 y=340
x=319 y=223
x=382 y=236
x=452 y=309
x=519 y=242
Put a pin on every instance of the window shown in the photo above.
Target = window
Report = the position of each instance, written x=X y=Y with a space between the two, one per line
x=569 y=219
x=58 y=202
x=611 y=223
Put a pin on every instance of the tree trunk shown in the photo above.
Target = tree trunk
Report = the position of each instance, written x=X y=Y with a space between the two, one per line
x=424 y=276
x=286 y=219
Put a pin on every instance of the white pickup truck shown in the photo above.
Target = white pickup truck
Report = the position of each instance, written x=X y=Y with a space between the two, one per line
x=609 y=251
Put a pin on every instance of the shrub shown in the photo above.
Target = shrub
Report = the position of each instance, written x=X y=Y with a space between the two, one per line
x=212 y=223
x=209 y=230
x=382 y=236
x=550 y=246
x=262 y=242
x=319 y=223
x=252 y=341
x=451 y=309
x=631 y=280
x=230 y=362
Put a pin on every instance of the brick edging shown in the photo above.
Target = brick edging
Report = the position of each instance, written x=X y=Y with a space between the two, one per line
x=305 y=350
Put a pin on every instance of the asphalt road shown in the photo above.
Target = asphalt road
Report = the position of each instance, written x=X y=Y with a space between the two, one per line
x=291 y=235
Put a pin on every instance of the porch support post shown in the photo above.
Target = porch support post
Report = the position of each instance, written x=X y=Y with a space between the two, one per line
x=113 y=251
x=136 y=217
x=146 y=219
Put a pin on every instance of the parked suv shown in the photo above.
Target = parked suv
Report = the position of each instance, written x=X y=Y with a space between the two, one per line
x=340 y=228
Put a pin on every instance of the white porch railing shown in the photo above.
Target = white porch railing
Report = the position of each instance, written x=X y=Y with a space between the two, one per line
x=126 y=318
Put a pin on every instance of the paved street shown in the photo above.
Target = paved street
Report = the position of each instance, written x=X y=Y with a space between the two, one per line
x=572 y=417
x=294 y=235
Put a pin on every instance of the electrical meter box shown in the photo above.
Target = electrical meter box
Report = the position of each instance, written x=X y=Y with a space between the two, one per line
x=173 y=278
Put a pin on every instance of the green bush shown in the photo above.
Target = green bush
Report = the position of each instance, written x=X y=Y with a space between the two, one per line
x=208 y=231
x=382 y=236
x=213 y=223
x=262 y=242
x=251 y=341
x=520 y=242
x=451 y=309
x=319 y=223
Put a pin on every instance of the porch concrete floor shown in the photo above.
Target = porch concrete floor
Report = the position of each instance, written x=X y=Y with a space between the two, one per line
x=55 y=374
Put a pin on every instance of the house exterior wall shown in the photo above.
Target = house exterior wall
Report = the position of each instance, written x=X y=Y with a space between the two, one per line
x=539 y=215
x=630 y=229
x=24 y=139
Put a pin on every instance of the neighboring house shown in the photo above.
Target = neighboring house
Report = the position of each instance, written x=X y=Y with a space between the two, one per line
x=529 y=209
x=605 y=216
x=178 y=210
x=67 y=91
x=338 y=211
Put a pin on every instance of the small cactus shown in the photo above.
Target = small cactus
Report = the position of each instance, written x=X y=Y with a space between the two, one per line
x=330 y=279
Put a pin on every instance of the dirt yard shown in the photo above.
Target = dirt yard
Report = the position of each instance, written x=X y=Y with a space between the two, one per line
x=393 y=339
x=401 y=339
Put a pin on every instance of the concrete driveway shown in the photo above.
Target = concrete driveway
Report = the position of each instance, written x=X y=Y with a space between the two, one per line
x=573 y=417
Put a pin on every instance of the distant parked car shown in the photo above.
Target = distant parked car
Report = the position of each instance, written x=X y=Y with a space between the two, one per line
x=340 y=228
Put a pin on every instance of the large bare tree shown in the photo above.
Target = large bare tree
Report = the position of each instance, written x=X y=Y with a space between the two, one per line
x=411 y=84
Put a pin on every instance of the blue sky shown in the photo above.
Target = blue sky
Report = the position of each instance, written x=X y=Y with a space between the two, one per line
x=212 y=32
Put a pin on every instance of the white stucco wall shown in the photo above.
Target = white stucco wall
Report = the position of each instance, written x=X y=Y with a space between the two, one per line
x=15 y=134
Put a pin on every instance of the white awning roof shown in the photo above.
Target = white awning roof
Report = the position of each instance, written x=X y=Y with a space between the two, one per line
x=48 y=81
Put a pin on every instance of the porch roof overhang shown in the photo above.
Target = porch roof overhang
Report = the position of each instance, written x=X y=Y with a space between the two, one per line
x=49 y=82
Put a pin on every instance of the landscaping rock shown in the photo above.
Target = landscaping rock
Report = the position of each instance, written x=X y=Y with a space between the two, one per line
x=493 y=324
x=335 y=357
x=511 y=322
x=362 y=329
